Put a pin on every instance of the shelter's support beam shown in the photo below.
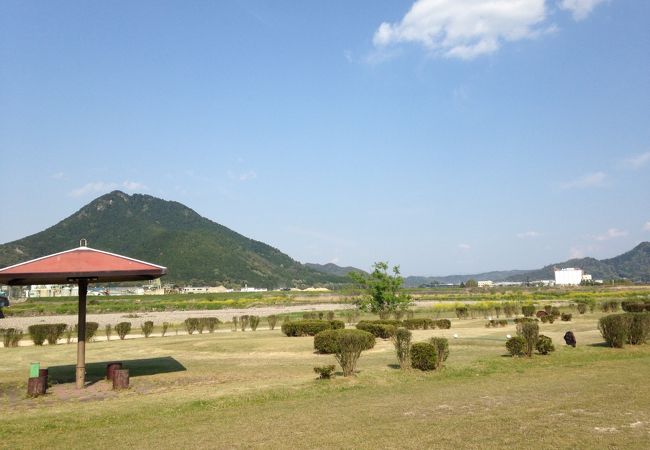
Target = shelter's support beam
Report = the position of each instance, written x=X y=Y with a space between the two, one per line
x=81 y=335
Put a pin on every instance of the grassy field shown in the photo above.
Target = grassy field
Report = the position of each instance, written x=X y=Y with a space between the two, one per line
x=257 y=389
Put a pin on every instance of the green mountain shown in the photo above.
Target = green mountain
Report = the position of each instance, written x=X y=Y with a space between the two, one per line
x=333 y=269
x=633 y=265
x=194 y=249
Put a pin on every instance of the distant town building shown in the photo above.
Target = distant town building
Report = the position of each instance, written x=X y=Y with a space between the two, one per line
x=485 y=283
x=569 y=276
x=204 y=290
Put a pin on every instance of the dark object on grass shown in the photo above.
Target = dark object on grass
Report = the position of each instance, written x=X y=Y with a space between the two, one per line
x=120 y=379
x=37 y=386
x=111 y=367
x=570 y=338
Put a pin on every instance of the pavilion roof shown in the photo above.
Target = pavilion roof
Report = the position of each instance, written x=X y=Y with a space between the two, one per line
x=80 y=263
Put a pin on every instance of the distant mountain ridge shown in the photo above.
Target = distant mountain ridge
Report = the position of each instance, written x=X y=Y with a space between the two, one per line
x=195 y=250
x=633 y=265
x=333 y=269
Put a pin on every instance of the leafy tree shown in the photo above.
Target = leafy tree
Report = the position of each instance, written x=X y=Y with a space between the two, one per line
x=471 y=283
x=383 y=290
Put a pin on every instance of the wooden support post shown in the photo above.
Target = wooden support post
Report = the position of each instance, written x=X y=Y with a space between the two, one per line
x=36 y=386
x=81 y=335
x=120 y=379
x=111 y=368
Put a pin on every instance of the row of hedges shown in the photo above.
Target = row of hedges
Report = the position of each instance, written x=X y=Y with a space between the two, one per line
x=53 y=332
x=628 y=328
x=310 y=327
x=496 y=323
x=386 y=329
x=11 y=336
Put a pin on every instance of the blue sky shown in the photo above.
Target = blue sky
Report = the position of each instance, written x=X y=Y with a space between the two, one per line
x=444 y=136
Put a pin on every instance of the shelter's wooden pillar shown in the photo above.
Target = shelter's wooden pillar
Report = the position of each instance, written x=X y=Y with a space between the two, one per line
x=81 y=335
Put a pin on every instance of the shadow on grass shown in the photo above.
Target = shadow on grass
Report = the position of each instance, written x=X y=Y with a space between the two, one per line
x=600 y=344
x=97 y=371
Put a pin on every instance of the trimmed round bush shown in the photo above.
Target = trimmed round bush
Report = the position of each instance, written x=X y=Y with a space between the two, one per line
x=379 y=330
x=566 y=317
x=544 y=345
x=633 y=306
x=582 y=308
x=442 y=350
x=91 y=330
x=310 y=327
x=443 y=324
x=614 y=329
x=350 y=344
x=639 y=328
x=423 y=356
x=516 y=346
x=327 y=341
x=38 y=333
x=122 y=329
x=528 y=310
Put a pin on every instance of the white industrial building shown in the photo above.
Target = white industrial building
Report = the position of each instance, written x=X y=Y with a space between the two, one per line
x=569 y=276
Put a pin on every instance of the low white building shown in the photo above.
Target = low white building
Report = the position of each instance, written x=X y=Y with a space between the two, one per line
x=485 y=283
x=568 y=277
x=204 y=290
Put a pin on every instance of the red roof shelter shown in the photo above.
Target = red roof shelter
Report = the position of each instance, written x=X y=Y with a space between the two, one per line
x=80 y=265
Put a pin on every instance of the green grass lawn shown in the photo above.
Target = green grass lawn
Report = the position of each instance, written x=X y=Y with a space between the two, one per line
x=258 y=389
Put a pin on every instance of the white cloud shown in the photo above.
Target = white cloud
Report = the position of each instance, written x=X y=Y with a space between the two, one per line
x=646 y=227
x=102 y=186
x=529 y=234
x=586 y=181
x=58 y=176
x=134 y=186
x=580 y=9
x=243 y=176
x=612 y=233
x=575 y=253
x=464 y=29
x=464 y=247
x=637 y=161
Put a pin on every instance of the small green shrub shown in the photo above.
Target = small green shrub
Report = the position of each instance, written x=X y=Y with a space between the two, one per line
x=272 y=320
x=614 y=329
x=555 y=312
x=419 y=324
x=38 y=333
x=325 y=372
x=528 y=310
x=350 y=345
x=310 y=327
x=191 y=325
x=243 y=322
x=330 y=315
x=530 y=332
x=509 y=309
x=91 y=330
x=326 y=341
x=69 y=331
x=544 y=345
x=516 y=346
x=309 y=316
x=566 y=317
x=108 y=330
x=639 y=328
x=462 y=312
x=254 y=322
x=200 y=324
x=547 y=309
x=147 y=328
x=235 y=323
x=211 y=323
x=122 y=329
x=423 y=356
x=165 y=327
x=377 y=329
x=402 y=343
x=11 y=336
x=444 y=324
x=442 y=350
x=633 y=306
x=582 y=308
